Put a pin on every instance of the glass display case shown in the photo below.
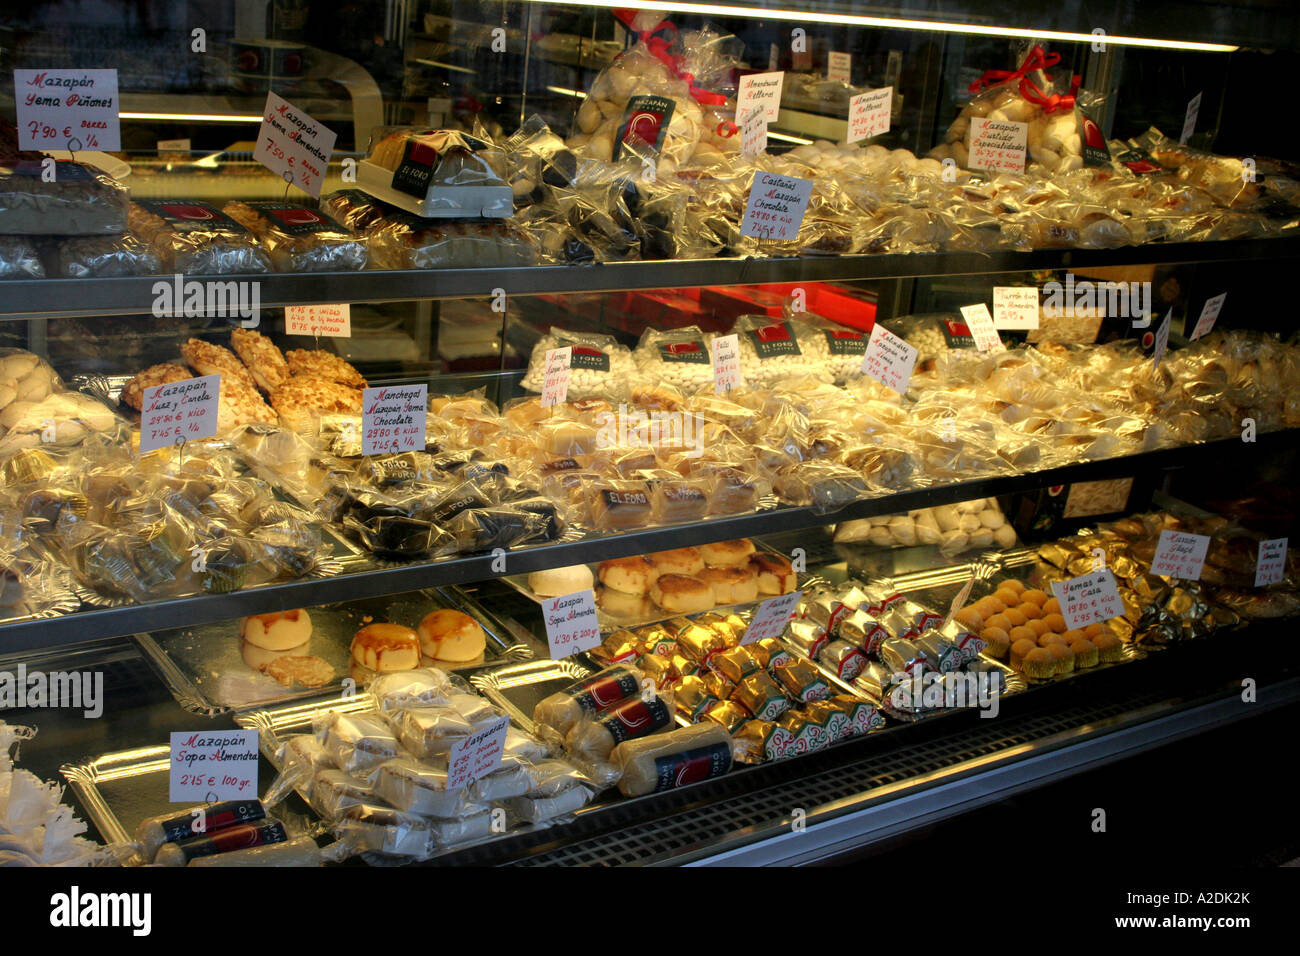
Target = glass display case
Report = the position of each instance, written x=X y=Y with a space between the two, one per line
x=802 y=422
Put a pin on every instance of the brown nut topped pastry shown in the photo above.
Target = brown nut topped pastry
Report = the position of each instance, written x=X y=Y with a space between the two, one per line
x=264 y=360
x=298 y=398
x=153 y=376
x=208 y=359
x=326 y=365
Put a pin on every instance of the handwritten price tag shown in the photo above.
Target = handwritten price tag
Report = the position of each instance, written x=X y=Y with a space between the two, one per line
x=998 y=145
x=776 y=206
x=67 y=109
x=1015 y=307
x=555 y=386
x=1270 y=566
x=334 y=321
x=185 y=410
x=869 y=114
x=726 y=363
x=571 y=623
x=1189 y=119
x=1088 y=599
x=761 y=90
x=212 y=765
x=753 y=133
x=839 y=66
x=1162 y=338
x=393 y=419
x=477 y=755
x=981 y=327
x=1180 y=555
x=771 y=617
x=889 y=359
x=1209 y=312
x=293 y=145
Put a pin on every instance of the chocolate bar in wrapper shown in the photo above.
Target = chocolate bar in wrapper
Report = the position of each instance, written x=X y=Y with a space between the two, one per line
x=878 y=681
x=736 y=664
x=619 y=647
x=902 y=656
x=900 y=623
x=807 y=637
x=940 y=654
x=842 y=657
x=924 y=621
x=770 y=652
x=683 y=665
x=658 y=669
x=972 y=645
x=801 y=680
x=727 y=714
x=722 y=627
x=691 y=699
x=655 y=639
x=835 y=721
x=819 y=607
x=677 y=625
x=717 y=684
x=863 y=717
x=881 y=600
x=700 y=643
x=806 y=735
x=863 y=629
x=761 y=740
x=761 y=697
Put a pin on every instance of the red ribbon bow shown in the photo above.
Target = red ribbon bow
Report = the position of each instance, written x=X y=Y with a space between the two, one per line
x=1036 y=60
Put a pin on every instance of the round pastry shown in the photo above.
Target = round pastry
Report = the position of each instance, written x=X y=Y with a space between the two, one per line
x=999 y=641
x=969 y=617
x=1023 y=633
x=621 y=604
x=1038 y=626
x=1007 y=596
x=775 y=573
x=1031 y=611
x=731 y=585
x=992 y=604
x=1063 y=656
x=449 y=635
x=1001 y=621
x=1056 y=622
x=1034 y=596
x=556 y=581
x=278 y=631
x=304 y=669
x=386 y=647
x=1015 y=617
x=1012 y=584
x=1051 y=638
x=1072 y=636
x=1051 y=606
x=1085 y=653
x=1109 y=647
x=259 y=658
x=632 y=575
x=1039 y=663
x=727 y=554
x=1019 y=649
x=678 y=561
x=1092 y=631
x=683 y=594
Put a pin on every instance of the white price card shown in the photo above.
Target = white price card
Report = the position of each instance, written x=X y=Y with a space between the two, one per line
x=839 y=66
x=776 y=206
x=477 y=755
x=981 y=327
x=1189 y=120
x=1180 y=554
x=771 y=617
x=760 y=90
x=178 y=412
x=869 y=114
x=1015 y=307
x=1270 y=566
x=726 y=363
x=888 y=359
x=1088 y=599
x=393 y=418
x=67 y=109
x=212 y=765
x=998 y=145
x=1209 y=313
x=334 y=321
x=1162 y=338
x=571 y=623
x=293 y=145
x=753 y=133
x=555 y=384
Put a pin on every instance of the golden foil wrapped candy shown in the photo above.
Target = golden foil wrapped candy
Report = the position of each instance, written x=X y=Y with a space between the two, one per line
x=759 y=741
x=28 y=465
x=718 y=685
x=728 y=714
x=736 y=663
x=691 y=698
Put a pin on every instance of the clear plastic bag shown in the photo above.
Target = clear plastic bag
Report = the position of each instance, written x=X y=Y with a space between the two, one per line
x=599 y=366
x=78 y=201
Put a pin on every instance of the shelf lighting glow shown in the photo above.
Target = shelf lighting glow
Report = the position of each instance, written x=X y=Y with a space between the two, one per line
x=196 y=117
x=789 y=139
x=896 y=23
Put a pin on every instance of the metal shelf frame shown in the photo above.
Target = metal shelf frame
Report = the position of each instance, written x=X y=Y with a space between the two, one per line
x=99 y=623
x=45 y=298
